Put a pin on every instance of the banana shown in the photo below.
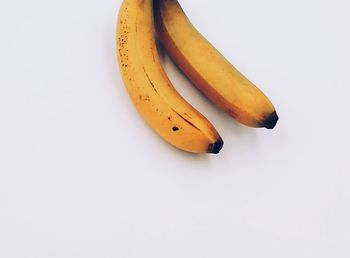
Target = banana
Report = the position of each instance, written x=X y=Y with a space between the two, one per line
x=210 y=72
x=150 y=89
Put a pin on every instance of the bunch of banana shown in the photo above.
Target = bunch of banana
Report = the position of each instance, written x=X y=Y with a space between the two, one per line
x=155 y=97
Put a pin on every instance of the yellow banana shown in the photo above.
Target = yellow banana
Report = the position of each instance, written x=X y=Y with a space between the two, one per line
x=220 y=81
x=149 y=87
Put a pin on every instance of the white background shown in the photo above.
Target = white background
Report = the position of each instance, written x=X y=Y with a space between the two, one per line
x=82 y=176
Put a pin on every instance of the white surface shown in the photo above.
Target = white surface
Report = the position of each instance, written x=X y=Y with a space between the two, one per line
x=82 y=176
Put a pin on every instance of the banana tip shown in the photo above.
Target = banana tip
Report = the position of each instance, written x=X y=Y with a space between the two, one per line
x=216 y=147
x=271 y=121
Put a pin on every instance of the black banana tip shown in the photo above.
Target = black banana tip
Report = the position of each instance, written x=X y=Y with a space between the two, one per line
x=270 y=121
x=216 y=147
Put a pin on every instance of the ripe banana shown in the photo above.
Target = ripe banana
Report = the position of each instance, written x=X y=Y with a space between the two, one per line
x=150 y=89
x=220 y=81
